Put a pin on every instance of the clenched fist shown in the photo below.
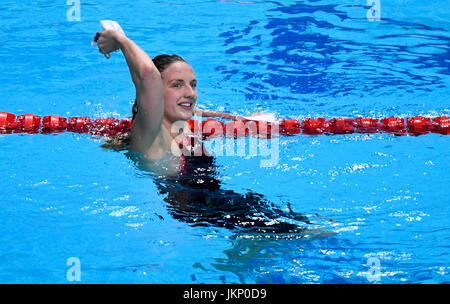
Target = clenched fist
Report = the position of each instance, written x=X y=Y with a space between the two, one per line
x=108 y=42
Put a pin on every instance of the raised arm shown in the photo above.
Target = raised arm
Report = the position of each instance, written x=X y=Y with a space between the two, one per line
x=148 y=83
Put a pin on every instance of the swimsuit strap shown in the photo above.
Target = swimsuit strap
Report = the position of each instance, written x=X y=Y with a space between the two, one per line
x=183 y=163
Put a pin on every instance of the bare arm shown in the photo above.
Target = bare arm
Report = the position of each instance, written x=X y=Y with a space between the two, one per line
x=148 y=83
x=209 y=113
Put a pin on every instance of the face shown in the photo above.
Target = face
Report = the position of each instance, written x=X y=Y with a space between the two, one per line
x=180 y=91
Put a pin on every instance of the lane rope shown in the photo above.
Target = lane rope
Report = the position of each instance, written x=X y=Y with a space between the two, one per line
x=110 y=126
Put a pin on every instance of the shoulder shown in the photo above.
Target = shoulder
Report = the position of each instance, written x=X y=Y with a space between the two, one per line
x=154 y=147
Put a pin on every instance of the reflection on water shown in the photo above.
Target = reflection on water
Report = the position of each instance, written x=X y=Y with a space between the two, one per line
x=262 y=232
x=196 y=197
x=260 y=257
x=304 y=51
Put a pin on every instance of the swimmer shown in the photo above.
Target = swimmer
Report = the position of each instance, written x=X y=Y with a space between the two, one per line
x=166 y=92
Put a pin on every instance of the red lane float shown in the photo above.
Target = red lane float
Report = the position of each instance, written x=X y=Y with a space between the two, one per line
x=7 y=120
x=313 y=126
x=366 y=125
x=79 y=124
x=441 y=125
x=394 y=125
x=418 y=125
x=290 y=127
x=210 y=127
x=54 y=123
x=340 y=126
x=29 y=123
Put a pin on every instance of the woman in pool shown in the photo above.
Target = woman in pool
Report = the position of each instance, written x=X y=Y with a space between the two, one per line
x=166 y=92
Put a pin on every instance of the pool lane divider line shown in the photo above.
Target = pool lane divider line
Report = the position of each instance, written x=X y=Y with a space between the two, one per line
x=110 y=126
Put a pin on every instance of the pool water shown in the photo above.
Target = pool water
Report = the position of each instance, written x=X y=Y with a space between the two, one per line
x=373 y=206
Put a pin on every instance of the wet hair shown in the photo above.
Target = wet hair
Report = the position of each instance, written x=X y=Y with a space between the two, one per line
x=161 y=62
x=122 y=141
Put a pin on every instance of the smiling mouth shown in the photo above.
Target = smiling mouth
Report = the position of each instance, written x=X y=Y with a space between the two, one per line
x=186 y=105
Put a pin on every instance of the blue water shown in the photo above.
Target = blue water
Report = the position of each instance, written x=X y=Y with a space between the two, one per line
x=368 y=198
